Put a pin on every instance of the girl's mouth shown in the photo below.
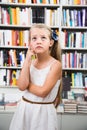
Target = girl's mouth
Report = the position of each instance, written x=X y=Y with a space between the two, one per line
x=39 y=47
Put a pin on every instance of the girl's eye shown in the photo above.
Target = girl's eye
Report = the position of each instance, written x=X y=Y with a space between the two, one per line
x=34 y=38
x=43 y=38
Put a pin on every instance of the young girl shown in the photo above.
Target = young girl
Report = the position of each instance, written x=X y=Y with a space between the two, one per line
x=40 y=80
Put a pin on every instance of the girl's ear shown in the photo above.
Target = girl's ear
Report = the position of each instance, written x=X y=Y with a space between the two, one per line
x=51 y=42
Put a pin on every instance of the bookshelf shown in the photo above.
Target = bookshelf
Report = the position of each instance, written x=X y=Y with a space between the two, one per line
x=16 y=18
x=73 y=39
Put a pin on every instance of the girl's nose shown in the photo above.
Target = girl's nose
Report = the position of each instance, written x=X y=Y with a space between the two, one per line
x=39 y=40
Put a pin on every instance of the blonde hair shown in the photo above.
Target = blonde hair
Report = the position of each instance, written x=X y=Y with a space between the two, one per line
x=55 y=51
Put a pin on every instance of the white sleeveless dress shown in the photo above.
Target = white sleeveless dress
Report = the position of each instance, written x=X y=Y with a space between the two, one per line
x=30 y=116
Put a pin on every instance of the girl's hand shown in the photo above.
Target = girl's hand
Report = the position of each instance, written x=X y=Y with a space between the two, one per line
x=30 y=55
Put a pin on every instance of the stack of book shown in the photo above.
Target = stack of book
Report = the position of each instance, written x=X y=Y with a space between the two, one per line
x=82 y=107
x=1 y=102
x=70 y=107
x=60 y=108
x=11 y=100
x=8 y=102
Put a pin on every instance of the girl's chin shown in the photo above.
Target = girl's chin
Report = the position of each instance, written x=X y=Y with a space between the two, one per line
x=38 y=51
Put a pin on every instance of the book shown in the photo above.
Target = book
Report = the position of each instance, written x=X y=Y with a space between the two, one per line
x=79 y=18
x=67 y=17
x=66 y=82
x=18 y=15
x=14 y=78
x=72 y=110
x=83 y=17
x=10 y=106
x=76 y=2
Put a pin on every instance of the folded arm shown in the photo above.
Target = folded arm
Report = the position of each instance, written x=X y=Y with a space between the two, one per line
x=24 y=77
x=54 y=74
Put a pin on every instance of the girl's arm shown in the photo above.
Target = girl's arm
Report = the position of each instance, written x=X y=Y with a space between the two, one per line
x=52 y=77
x=23 y=80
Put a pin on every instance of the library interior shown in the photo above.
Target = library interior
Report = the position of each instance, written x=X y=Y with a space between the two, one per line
x=68 y=18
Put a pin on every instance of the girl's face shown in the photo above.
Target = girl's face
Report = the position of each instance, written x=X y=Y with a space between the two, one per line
x=40 y=40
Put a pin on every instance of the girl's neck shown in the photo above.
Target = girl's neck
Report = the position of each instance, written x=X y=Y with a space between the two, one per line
x=43 y=57
x=42 y=61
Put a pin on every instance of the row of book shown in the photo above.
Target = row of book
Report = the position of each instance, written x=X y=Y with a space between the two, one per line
x=70 y=2
x=74 y=17
x=19 y=38
x=79 y=80
x=14 y=38
x=52 y=17
x=74 y=60
x=12 y=57
x=38 y=15
x=9 y=77
x=17 y=15
x=27 y=15
x=74 y=80
x=73 y=39
x=32 y=1
x=73 y=2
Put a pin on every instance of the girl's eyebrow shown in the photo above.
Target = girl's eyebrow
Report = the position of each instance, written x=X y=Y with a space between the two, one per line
x=40 y=35
x=33 y=36
x=43 y=35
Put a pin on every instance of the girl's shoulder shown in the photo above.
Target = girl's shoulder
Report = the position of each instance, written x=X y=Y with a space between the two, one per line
x=57 y=67
x=56 y=63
